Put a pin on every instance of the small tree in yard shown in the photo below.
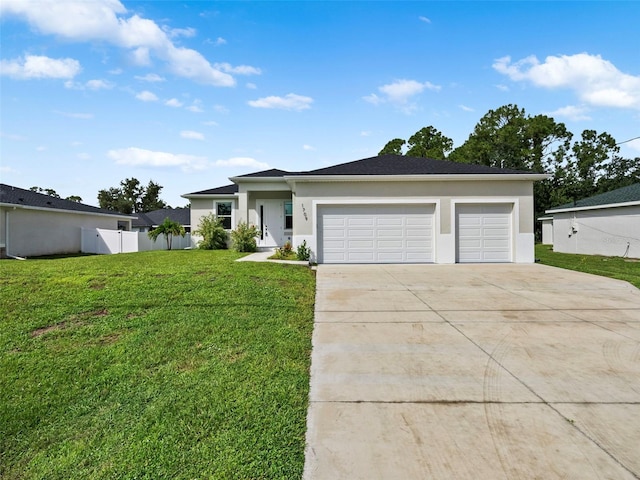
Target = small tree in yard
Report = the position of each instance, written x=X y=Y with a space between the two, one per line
x=168 y=228
x=244 y=237
x=214 y=236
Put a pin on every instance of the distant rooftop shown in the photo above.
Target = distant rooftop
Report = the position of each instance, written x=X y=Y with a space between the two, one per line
x=627 y=194
x=26 y=198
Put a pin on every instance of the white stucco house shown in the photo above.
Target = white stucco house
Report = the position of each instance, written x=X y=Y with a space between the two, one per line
x=606 y=224
x=33 y=224
x=385 y=209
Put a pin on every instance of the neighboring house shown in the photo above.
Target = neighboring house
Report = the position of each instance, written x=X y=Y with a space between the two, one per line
x=149 y=220
x=33 y=224
x=606 y=224
x=385 y=209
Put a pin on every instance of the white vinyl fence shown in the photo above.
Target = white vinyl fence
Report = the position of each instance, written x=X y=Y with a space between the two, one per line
x=102 y=241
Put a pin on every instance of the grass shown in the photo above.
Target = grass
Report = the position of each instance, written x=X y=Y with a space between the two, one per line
x=181 y=364
x=613 y=267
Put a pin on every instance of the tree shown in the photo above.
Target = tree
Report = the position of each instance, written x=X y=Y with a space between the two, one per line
x=429 y=143
x=214 y=236
x=592 y=154
x=132 y=197
x=52 y=193
x=393 y=147
x=168 y=228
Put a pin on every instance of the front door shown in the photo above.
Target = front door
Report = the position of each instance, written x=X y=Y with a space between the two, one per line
x=270 y=222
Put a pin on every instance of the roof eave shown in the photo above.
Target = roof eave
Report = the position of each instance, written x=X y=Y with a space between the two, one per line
x=415 y=178
x=257 y=179
x=593 y=207
x=120 y=216
x=209 y=195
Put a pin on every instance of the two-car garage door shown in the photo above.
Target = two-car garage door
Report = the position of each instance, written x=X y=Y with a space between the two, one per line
x=376 y=234
x=405 y=233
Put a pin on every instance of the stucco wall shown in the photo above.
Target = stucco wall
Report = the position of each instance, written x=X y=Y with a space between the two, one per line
x=38 y=232
x=598 y=232
x=445 y=192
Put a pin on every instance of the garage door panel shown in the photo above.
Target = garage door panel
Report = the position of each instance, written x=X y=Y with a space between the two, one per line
x=483 y=233
x=397 y=234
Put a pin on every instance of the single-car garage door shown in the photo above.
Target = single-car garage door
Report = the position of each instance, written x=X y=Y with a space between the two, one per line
x=376 y=234
x=483 y=233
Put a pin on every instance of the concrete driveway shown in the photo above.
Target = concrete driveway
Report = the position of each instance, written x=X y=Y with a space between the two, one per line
x=473 y=372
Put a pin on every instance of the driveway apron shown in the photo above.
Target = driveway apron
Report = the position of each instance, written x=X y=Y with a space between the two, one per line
x=473 y=372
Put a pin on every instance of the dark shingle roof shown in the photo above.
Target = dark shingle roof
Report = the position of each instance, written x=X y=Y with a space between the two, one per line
x=273 y=173
x=27 y=198
x=627 y=194
x=156 y=217
x=225 y=190
x=403 y=165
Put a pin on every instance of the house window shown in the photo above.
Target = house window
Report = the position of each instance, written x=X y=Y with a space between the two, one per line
x=223 y=211
x=288 y=215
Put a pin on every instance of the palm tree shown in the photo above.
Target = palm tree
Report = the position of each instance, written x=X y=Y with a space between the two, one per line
x=168 y=228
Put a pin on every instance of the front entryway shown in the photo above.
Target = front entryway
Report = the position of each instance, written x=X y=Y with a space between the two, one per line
x=270 y=214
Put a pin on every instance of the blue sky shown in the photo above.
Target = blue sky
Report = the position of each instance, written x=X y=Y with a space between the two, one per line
x=190 y=93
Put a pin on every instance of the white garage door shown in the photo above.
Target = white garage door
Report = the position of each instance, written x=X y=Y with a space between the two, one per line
x=376 y=234
x=483 y=233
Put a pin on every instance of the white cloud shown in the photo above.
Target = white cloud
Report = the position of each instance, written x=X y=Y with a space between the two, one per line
x=83 y=156
x=196 y=107
x=191 y=135
x=41 y=148
x=239 y=70
x=210 y=123
x=251 y=86
x=596 y=81
x=140 y=157
x=503 y=88
x=180 y=32
x=173 y=102
x=400 y=92
x=116 y=71
x=466 y=109
x=81 y=116
x=147 y=96
x=634 y=144
x=571 y=112
x=308 y=147
x=150 y=77
x=290 y=101
x=242 y=162
x=220 y=41
x=108 y=21
x=221 y=109
x=38 y=66
x=90 y=85
x=13 y=136
x=424 y=19
x=365 y=133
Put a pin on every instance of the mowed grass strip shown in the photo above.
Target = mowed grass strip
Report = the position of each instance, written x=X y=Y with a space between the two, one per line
x=614 y=267
x=181 y=364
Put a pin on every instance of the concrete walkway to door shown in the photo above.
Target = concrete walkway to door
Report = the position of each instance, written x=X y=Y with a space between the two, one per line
x=473 y=372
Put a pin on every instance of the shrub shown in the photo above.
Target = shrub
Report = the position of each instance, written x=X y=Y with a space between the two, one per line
x=303 y=252
x=243 y=238
x=214 y=236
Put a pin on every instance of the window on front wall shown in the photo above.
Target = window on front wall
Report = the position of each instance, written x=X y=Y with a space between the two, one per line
x=223 y=212
x=288 y=215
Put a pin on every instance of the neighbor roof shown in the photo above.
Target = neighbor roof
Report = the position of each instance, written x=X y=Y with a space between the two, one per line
x=403 y=165
x=156 y=217
x=274 y=172
x=26 y=198
x=627 y=194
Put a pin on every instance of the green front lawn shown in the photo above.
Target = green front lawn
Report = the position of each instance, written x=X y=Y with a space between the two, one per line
x=154 y=365
x=614 y=267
